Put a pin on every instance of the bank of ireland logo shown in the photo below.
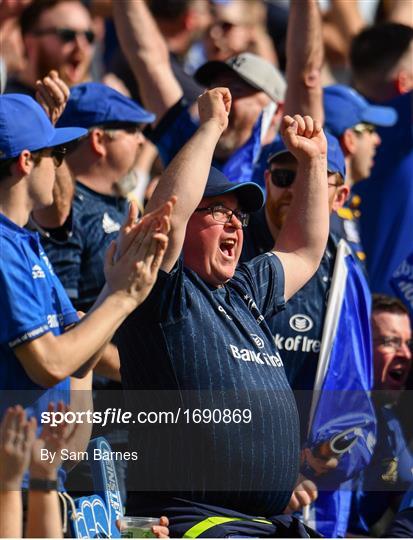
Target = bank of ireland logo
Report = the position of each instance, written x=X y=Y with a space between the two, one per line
x=301 y=323
x=259 y=342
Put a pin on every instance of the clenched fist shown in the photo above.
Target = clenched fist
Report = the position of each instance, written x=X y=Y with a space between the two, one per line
x=215 y=105
x=304 y=137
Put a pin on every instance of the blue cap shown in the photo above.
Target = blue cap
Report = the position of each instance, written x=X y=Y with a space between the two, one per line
x=335 y=156
x=344 y=108
x=249 y=194
x=95 y=104
x=25 y=126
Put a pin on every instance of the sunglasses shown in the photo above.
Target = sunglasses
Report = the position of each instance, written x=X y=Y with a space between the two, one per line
x=284 y=178
x=363 y=127
x=58 y=154
x=67 y=35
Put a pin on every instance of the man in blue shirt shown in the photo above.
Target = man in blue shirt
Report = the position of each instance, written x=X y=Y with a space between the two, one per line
x=391 y=469
x=382 y=70
x=350 y=118
x=203 y=335
x=257 y=88
x=100 y=163
x=39 y=350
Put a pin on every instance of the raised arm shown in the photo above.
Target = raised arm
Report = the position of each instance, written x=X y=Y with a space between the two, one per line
x=303 y=238
x=148 y=56
x=305 y=55
x=186 y=175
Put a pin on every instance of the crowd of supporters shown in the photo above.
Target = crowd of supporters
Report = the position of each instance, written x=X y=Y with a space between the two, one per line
x=206 y=210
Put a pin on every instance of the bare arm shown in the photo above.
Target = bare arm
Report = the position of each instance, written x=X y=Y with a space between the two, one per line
x=400 y=11
x=109 y=363
x=303 y=238
x=52 y=94
x=186 y=175
x=63 y=192
x=49 y=359
x=147 y=53
x=305 y=55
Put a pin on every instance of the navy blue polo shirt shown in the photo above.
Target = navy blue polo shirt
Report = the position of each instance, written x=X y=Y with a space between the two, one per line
x=79 y=259
x=32 y=303
x=389 y=473
x=212 y=349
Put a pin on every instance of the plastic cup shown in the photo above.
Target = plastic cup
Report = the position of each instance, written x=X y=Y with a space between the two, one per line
x=137 y=527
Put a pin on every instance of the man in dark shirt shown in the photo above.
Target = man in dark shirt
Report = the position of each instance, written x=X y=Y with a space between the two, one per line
x=298 y=329
x=203 y=336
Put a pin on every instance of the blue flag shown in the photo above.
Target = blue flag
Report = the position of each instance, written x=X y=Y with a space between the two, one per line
x=402 y=283
x=342 y=413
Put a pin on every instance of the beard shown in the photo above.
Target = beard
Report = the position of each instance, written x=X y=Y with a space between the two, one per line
x=46 y=62
x=278 y=210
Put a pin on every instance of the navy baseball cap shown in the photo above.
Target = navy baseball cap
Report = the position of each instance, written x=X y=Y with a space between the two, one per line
x=335 y=156
x=24 y=125
x=249 y=194
x=344 y=108
x=95 y=104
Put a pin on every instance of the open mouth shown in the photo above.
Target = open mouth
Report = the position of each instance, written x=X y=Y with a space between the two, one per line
x=397 y=374
x=227 y=247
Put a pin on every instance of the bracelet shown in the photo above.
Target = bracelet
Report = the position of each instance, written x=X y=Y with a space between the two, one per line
x=40 y=484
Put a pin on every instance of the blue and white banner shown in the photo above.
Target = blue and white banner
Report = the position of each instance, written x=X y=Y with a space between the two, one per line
x=342 y=413
x=95 y=516
x=402 y=283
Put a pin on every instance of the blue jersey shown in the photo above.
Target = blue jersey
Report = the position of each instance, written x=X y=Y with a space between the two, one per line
x=386 y=220
x=79 y=260
x=389 y=473
x=32 y=302
x=212 y=349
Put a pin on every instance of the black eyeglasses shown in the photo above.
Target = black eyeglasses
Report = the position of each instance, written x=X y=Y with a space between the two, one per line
x=58 y=154
x=363 y=127
x=222 y=214
x=394 y=342
x=284 y=178
x=66 y=35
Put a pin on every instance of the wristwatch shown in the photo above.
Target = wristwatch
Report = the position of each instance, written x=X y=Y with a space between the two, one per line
x=40 y=484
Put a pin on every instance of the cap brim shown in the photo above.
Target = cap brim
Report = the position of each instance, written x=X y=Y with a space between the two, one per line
x=380 y=116
x=66 y=135
x=249 y=194
x=206 y=73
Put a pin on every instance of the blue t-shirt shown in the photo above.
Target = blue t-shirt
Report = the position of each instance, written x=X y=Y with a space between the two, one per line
x=79 y=260
x=389 y=473
x=32 y=302
x=386 y=221
x=211 y=348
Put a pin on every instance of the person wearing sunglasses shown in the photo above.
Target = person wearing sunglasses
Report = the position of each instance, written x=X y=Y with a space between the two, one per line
x=56 y=35
x=390 y=471
x=298 y=329
x=350 y=118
